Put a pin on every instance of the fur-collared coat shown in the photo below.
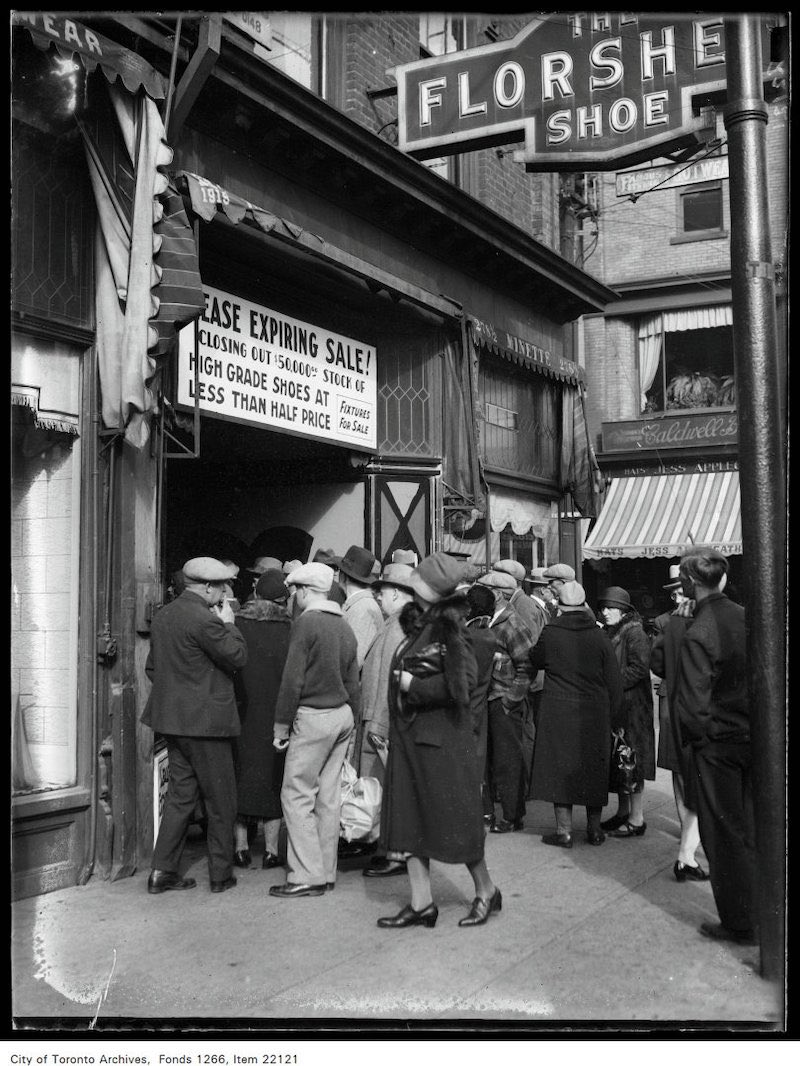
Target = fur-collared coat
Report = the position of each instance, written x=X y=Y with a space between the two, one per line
x=432 y=796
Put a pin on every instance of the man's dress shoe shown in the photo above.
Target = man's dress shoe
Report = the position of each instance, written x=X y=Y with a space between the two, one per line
x=408 y=916
x=292 y=891
x=242 y=858
x=161 y=881
x=558 y=840
x=482 y=908
x=717 y=931
x=385 y=868
x=689 y=873
x=504 y=826
x=223 y=886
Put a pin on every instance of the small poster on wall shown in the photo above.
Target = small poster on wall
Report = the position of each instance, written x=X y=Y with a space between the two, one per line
x=160 y=783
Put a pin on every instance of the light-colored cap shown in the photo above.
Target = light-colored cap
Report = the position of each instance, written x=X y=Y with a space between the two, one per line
x=511 y=566
x=572 y=594
x=290 y=565
x=316 y=576
x=559 y=572
x=204 y=568
x=405 y=556
x=496 y=579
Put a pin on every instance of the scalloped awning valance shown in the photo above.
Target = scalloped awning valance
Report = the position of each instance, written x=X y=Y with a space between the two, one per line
x=524 y=352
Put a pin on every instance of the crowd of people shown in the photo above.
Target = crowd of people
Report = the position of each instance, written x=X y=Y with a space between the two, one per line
x=465 y=699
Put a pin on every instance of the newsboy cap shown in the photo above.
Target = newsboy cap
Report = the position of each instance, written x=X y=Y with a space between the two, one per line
x=559 y=572
x=437 y=577
x=204 y=568
x=291 y=564
x=674 y=578
x=272 y=586
x=357 y=563
x=572 y=594
x=511 y=566
x=496 y=579
x=264 y=563
x=396 y=574
x=614 y=596
x=315 y=576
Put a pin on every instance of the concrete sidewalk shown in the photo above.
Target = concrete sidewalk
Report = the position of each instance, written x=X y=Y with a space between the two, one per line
x=593 y=935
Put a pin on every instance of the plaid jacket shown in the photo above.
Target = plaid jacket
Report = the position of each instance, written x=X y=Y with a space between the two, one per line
x=512 y=673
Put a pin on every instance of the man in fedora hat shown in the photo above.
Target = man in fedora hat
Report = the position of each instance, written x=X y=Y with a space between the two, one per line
x=509 y=704
x=314 y=715
x=195 y=648
x=670 y=629
x=361 y=612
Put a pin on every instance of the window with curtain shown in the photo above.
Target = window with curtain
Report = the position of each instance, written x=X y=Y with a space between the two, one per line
x=686 y=359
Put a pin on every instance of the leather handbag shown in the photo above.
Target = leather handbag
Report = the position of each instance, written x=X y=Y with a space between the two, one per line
x=425 y=662
x=622 y=777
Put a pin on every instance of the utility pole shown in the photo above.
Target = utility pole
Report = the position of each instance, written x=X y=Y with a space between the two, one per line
x=762 y=462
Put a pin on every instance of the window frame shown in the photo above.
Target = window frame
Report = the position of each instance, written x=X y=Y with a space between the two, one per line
x=684 y=236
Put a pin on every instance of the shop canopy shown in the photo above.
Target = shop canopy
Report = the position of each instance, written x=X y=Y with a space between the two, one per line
x=662 y=516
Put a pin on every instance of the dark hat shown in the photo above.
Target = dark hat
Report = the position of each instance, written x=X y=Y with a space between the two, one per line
x=480 y=600
x=511 y=566
x=437 y=577
x=396 y=574
x=674 y=578
x=204 y=568
x=272 y=586
x=325 y=555
x=572 y=594
x=614 y=596
x=559 y=572
x=458 y=555
x=357 y=563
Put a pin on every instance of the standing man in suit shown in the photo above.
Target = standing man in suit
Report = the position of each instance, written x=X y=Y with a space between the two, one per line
x=195 y=649
x=714 y=719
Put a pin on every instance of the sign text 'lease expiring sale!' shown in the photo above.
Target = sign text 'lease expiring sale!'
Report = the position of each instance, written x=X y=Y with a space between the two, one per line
x=259 y=366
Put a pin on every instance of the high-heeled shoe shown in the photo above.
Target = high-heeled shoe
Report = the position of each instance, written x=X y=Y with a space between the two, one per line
x=242 y=858
x=614 y=822
x=689 y=873
x=481 y=909
x=628 y=830
x=408 y=916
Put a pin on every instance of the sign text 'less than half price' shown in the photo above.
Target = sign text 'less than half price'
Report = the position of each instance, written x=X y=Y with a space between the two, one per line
x=265 y=368
x=581 y=91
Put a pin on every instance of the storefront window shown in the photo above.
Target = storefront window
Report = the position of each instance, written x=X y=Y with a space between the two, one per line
x=686 y=360
x=44 y=603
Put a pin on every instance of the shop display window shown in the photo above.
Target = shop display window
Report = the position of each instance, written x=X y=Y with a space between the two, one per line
x=686 y=360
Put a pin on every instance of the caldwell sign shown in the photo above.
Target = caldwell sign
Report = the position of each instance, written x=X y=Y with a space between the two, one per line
x=579 y=89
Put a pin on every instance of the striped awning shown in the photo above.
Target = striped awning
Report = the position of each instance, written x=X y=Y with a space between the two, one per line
x=664 y=515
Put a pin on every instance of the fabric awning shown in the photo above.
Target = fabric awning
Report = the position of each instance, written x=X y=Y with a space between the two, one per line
x=72 y=38
x=524 y=352
x=664 y=515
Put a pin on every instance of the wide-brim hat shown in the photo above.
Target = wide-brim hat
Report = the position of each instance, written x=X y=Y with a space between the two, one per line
x=204 y=568
x=396 y=574
x=437 y=576
x=537 y=576
x=512 y=567
x=358 y=563
x=559 y=572
x=674 y=578
x=327 y=556
x=614 y=596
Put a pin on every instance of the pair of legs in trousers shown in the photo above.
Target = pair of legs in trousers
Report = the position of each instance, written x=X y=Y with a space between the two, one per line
x=722 y=776
x=564 y=819
x=198 y=766
x=506 y=760
x=311 y=795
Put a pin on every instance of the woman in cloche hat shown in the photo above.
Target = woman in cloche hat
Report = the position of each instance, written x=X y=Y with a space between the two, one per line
x=432 y=796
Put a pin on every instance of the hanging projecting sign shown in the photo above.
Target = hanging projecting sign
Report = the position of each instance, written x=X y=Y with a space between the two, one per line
x=262 y=367
x=580 y=90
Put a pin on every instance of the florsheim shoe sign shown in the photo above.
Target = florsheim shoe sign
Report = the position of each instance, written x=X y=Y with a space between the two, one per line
x=578 y=90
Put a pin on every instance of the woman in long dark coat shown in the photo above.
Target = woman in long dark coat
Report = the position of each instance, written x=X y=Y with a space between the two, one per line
x=581 y=704
x=632 y=648
x=432 y=795
x=265 y=625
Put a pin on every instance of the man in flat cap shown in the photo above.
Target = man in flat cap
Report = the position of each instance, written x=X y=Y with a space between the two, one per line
x=314 y=715
x=509 y=705
x=195 y=648
x=713 y=712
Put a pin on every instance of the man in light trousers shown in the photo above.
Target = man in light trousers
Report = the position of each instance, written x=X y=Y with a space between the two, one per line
x=318 y=698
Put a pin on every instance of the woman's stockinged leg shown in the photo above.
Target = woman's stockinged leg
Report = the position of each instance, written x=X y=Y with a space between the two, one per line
x=482 y=879
x=419 y=874
x=636 y=816
x=240 y=834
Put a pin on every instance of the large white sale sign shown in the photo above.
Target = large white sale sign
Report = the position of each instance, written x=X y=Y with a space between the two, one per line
x=262 y=367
